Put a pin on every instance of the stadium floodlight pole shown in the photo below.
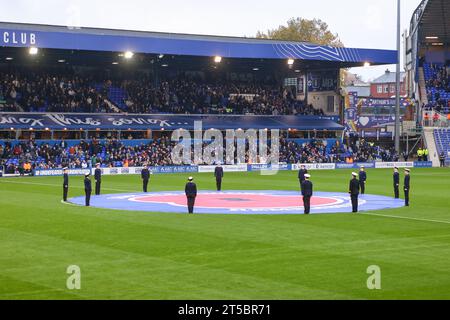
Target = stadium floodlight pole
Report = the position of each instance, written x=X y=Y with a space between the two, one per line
x=397 y=85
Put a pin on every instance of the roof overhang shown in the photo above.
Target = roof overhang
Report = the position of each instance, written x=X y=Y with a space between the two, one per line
x=432 y=18
x=59 y=37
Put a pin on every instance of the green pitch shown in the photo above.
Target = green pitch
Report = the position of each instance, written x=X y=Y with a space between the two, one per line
x=138 y=255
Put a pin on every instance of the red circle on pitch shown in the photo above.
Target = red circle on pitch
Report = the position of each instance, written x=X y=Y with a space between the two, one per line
x=237 y=200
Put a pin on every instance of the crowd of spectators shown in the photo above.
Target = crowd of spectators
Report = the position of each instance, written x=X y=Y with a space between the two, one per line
x=158 y=152
x=438 y=87
x=313 y=152
x=64 y=90
x=361 y=150
x=111 y=153
x=187 y=96
x=51 y=92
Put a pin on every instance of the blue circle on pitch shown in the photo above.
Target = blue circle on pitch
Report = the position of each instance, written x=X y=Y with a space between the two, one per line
x=237 y=202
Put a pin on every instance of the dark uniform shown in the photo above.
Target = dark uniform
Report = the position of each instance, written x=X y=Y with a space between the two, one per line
x=145 y=175
x=301 y=176
x=354 y=193
x=191 y=193
x=396 y=184
x=307 y=192
x=442 y=159
x=362 y=181
x=87 y=190
x=406 y=185
x=218 y=173
x=65 y=186
x=98 y=180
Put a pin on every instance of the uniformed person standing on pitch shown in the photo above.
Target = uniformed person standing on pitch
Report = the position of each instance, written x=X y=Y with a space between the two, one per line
x=65 y=183
x=354 y=191
x=442 y=159
x=87 y=188
x=145 y=175
x=362 y=179
x=218 y=173
x=307 y=192
x=396 y=177
x=406 y=186
x=98 y=178
x=301 y=175
x=191 y=192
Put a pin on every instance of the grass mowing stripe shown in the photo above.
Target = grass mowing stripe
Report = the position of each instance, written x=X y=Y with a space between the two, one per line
x=57 y=185
x=140 y=255
x=408 y=218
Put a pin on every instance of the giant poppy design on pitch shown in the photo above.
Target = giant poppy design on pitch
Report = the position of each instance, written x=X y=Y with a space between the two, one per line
x=239 y=202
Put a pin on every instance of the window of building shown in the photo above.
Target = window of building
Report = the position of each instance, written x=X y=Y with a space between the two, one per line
x=379 y=89
x=386 y=88
x=392 y=89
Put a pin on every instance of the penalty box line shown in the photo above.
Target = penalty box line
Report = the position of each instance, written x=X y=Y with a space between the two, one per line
x=406 y=218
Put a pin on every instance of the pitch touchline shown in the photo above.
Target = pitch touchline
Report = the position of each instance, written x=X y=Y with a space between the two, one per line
x=408 y=218
x=57 y=185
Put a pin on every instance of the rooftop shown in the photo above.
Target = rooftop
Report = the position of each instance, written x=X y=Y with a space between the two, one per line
x=388 y=77
x=94 y=39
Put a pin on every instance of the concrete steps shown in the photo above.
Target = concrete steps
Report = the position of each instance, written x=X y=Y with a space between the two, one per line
x=422 y=87
x=430 y=144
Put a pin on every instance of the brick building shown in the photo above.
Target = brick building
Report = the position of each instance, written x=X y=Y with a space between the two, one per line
x=384 y=86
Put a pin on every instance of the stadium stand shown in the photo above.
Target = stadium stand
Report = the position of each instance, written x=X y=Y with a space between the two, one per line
x=157 y=152
x=437 y=80
x=442 y=138
x=42 y=91
x=67 y=91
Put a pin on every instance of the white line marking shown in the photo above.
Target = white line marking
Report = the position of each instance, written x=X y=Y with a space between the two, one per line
x=69 y=203
x=57 y=185
x=407 y=218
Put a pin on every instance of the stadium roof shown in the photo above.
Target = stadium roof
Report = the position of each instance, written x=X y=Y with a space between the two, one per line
x=433 y=20
x=60 y=37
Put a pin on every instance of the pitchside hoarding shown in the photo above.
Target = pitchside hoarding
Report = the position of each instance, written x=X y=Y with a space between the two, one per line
x=239 y=168
x=269 y=167
x=355 y=165
x=314 y=166
x=384 y=165
x=226 y=168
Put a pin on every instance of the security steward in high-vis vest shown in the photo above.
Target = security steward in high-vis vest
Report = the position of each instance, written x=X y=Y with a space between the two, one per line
x=145 y=175
x=354 y=191
x=425 y=154
x=65 y=183
x=307 y=192
x=87 y=188
x=218 y=173
x=420 y=154
x=191 y=192
x=396 y=178
x=98 y=178
x=407 y=186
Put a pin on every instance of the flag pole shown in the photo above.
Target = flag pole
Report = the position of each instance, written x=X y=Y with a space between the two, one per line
x=397 y=86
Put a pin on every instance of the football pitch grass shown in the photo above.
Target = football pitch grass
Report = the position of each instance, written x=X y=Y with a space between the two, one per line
x=142 y=255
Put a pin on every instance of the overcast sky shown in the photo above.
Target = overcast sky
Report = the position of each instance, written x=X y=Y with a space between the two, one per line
x=359 y=23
